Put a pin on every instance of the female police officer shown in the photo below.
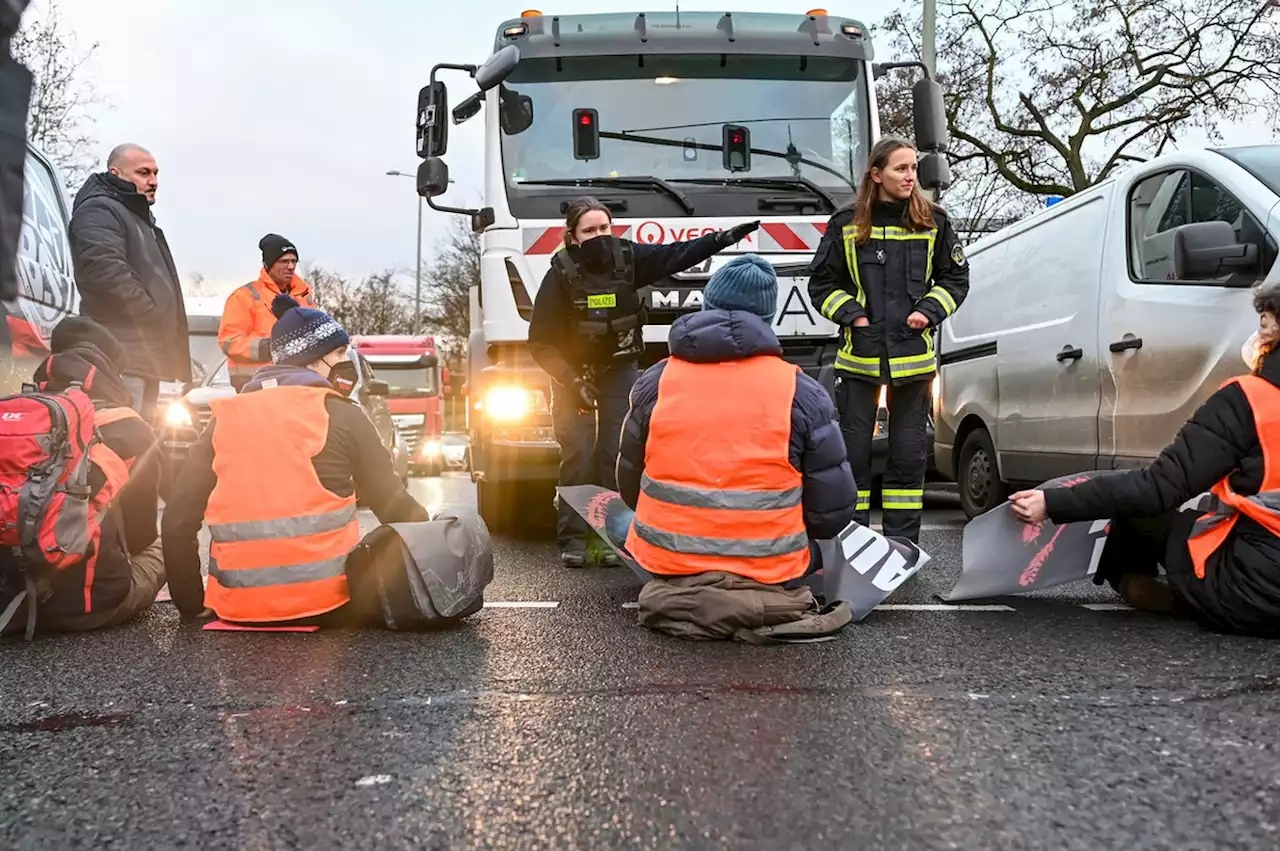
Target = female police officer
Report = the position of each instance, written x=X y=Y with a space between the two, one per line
x=889 y=270
x=586 y=332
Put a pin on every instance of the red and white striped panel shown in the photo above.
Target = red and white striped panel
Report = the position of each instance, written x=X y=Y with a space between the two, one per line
x=772 y=238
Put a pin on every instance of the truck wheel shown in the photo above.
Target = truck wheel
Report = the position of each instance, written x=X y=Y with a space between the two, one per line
x=979 y=481
x=497 y=507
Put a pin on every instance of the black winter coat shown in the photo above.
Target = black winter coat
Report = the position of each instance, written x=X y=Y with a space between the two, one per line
x=817 y=445
x=1241 y=588
x=127 y=279
x=553 y=340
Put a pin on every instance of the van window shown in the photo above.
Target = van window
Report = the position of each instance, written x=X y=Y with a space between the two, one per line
x=1165 y=201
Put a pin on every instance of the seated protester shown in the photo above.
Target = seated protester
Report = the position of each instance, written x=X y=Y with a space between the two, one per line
x=276 y=475
x=121 y=580
x=732 y=458
x=1220 y=550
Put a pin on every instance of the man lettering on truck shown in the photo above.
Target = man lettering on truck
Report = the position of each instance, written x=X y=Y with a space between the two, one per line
x=889 y=270
x=586 y=332
x=245 y=333
x=126 y=276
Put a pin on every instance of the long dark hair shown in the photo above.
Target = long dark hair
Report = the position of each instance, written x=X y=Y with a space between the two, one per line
x=919 y=208
x=576 y=210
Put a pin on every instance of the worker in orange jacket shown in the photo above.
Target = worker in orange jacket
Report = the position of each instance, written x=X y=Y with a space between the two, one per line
x=247 y=320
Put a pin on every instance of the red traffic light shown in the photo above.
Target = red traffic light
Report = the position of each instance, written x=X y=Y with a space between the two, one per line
x=585 y=119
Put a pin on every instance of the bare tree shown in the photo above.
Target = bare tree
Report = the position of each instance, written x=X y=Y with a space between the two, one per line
x=198 y=286
x=455 y=271
x=61 y=93
x=1056 y=95
x=375 y=305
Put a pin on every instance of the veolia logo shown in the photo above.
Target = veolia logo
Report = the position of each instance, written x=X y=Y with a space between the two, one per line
x=650 y=233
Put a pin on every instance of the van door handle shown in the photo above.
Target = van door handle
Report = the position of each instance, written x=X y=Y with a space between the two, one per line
x=1069 y=353
x=1126 y=344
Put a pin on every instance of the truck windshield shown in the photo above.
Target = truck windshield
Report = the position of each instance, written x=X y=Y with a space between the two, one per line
x=1262 y=161
x=408 y=380
x=663 y=116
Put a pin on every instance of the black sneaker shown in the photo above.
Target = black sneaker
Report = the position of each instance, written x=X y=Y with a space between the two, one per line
x=574 y=557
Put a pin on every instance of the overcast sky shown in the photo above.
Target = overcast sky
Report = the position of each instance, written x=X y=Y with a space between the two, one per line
x=284 y=115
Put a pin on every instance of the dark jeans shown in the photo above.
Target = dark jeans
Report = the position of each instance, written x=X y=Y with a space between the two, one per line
x=1142 y=545
x=589 y=442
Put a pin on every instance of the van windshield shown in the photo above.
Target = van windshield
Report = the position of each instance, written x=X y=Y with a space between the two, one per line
x=1262 y=161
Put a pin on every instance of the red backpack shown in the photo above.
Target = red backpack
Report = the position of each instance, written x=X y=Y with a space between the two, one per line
x=49 y=517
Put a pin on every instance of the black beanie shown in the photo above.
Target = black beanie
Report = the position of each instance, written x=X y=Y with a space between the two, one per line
x=274 y=246
x=75 y=330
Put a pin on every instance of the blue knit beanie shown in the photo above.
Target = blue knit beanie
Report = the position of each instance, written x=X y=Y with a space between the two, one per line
x=748 y=282
x=303 y=335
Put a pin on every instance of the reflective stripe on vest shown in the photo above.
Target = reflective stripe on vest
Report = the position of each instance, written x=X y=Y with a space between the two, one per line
x=1224 y=506
x=719 y=492
x=906 y=366
x=279 y=538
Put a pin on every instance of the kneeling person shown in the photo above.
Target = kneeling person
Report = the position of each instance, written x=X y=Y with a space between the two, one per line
x=732 y=458
x=276 y=475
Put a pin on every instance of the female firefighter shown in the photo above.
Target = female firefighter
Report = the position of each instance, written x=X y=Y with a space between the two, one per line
x=888 y=271
x=586 y=333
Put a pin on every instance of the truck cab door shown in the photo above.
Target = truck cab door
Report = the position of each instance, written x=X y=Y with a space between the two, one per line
x=1169 y=343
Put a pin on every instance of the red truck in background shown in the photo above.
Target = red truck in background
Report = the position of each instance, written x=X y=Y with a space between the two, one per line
x=411 y=367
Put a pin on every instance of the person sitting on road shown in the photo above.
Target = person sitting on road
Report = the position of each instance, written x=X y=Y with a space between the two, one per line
x=277 y=474
x=732 y=458
x=245 y=332
x=1205 y=509
x=121 y=581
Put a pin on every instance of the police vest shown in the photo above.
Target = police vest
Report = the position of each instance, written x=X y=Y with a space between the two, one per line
x=719 y=492
x=1224 y=506
x=279 y=538
x=608 y=315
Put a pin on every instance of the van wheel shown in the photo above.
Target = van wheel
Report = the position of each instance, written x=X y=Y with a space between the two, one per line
x=979 y=482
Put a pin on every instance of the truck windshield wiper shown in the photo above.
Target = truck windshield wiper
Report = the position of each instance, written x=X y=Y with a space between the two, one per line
x=802 y=184
x=621 y=183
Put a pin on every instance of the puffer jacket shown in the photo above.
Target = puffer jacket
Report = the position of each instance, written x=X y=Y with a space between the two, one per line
x=127 y=279
x=817 y=445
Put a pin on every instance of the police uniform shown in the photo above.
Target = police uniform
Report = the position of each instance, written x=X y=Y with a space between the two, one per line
x=588 y=327
x=896 y=271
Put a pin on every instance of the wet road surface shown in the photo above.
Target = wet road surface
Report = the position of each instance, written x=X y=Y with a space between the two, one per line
x=553 y=721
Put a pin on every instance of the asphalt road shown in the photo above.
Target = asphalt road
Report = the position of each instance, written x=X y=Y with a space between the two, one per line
x=561 y=724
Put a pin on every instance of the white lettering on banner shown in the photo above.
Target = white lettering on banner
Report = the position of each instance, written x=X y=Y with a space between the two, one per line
x=867 y=551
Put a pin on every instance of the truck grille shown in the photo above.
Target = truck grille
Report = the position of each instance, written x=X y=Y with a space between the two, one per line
x=411 y=437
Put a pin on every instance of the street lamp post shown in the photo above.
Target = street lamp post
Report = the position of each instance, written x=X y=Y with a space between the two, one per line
x=417 y=278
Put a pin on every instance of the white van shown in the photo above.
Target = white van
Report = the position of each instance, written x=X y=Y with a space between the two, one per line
x=1095 y=328
x=46 y=286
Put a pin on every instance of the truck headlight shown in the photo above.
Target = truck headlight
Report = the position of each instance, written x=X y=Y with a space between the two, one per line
x=508 y=404
x=430 y=448
x=177 y=416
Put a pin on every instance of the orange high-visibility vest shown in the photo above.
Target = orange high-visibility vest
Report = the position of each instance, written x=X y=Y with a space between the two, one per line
x=247 y=320
x=279 y=539
x=719 y=492
x=1225 y=505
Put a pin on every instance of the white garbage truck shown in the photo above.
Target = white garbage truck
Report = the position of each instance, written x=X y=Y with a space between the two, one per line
x=682 y=123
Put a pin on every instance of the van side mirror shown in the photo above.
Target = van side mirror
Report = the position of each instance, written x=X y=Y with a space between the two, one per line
x=433 y=178
x=433 y=130
x=929 y=115
x=1207 y=250
x=377 y=387
x=497 y=67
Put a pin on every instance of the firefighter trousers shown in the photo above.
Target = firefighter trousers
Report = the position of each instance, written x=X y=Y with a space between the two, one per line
x=589 y=442
x=902 y=489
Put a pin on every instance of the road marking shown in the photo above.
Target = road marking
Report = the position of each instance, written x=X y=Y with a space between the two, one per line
x=945 y=607
x=374 y=780
x=1107 y=607
x=520 y=604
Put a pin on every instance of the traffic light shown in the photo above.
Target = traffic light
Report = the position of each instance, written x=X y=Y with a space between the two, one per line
x=736 y=144
x=586 y=134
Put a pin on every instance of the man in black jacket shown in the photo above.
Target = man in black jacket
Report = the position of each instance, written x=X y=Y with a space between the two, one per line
x=126 y=275
x=123 y=579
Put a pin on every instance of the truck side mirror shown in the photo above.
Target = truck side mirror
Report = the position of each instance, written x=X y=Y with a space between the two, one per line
x=497 y=67
x=433 y=178
x=934 y=171
x=433 y=130
x=466 y=110
x=930 y=115
x=377 y=387
x=1207 y=250
x=515 y=112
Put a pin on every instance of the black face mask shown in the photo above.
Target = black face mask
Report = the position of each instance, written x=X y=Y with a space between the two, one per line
x=597 y=253
x=342 y=376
